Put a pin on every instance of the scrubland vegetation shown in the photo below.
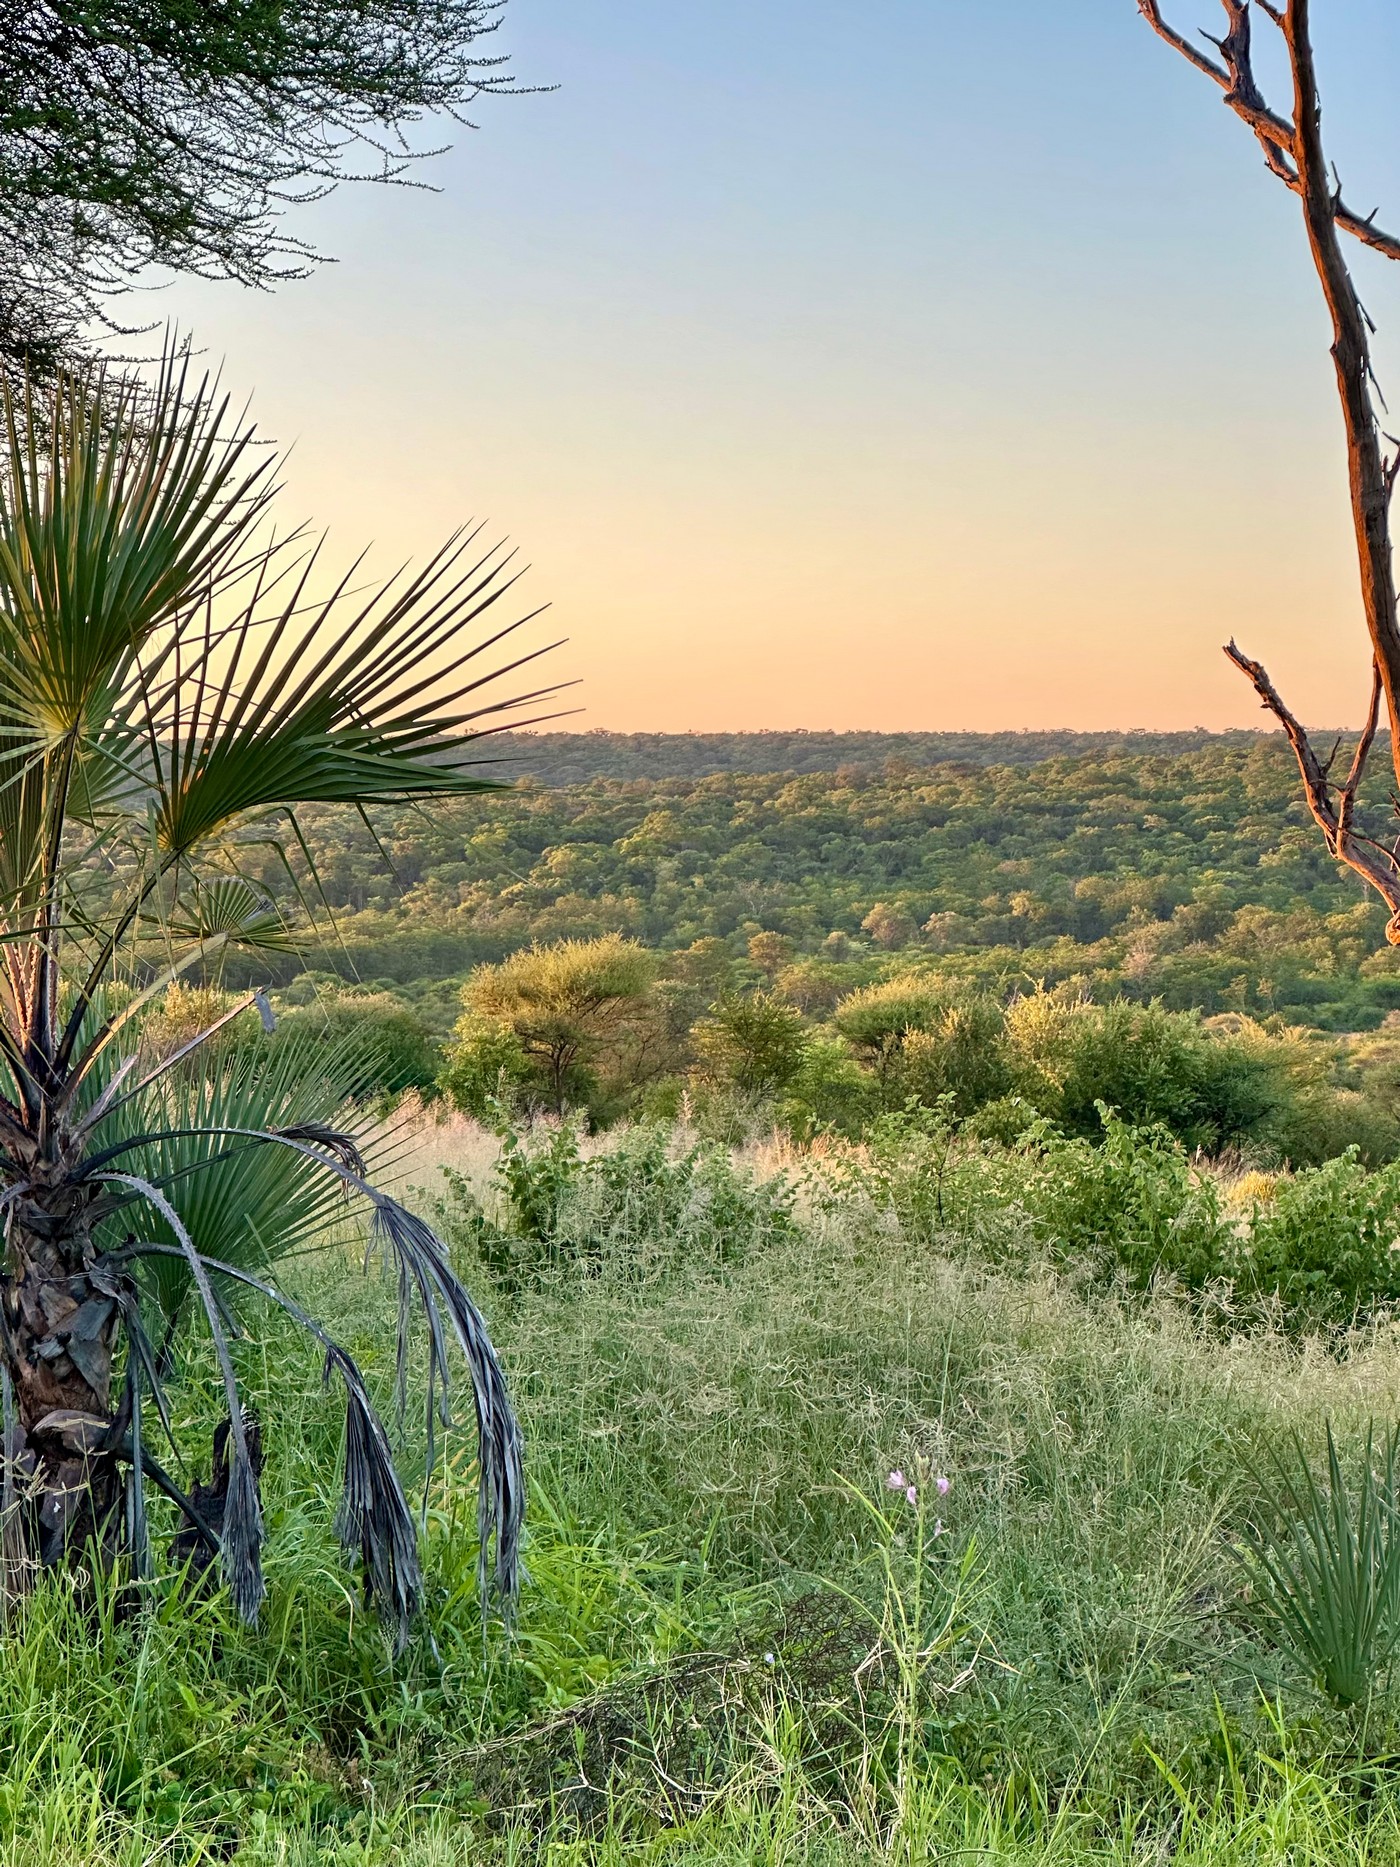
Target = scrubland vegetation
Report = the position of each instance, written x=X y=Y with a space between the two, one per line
x=1188 y=875
x=957 y=1397
x=738 y=1642
x=936 y=1202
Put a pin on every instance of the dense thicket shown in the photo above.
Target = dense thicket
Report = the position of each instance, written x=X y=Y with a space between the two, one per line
x=1191 y=876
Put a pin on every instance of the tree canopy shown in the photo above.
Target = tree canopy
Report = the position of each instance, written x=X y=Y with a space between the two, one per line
x=564 y=1016
x=1193 y=877
x=147 y=134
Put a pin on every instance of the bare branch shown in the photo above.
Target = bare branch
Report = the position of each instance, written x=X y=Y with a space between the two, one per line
x=1152 y=13
x=1235 y=76
x=1370 y=480
x=1293 y=150
x=1277 y=136
x=1334 y=820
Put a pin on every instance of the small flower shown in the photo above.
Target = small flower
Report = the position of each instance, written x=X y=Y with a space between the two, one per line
x=911 y=1492
x=769 y=1660
x=945 y=1485
x=896 y=1482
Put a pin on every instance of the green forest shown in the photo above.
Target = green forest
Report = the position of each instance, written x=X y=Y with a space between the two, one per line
x=1152 y=928
x=1188 y=873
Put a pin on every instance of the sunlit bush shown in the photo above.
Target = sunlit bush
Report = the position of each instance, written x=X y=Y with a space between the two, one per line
x=638 y=1205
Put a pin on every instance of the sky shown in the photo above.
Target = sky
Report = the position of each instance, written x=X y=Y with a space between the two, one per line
x=923 y=364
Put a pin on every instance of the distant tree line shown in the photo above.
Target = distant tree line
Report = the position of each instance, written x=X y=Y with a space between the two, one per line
x=1193 y=878
x=563 y=758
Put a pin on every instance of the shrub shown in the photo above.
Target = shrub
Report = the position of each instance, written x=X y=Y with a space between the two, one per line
x=1159 y=1067
x=397 y=1049
x=1134 y=1201
x=183 y=1013
x=920 y=1038
x=830 y=1093
x=1324 y=1241
x=877 y=1020
x=575 y=1024
x=962 y=1055
x=919 y=1167
x=485 y=1068
x=1319 y=1122
x=1327 y=1240
x=1133 y=1204
x=754 y=1045
x=1327 y=1565
x=638 y=1205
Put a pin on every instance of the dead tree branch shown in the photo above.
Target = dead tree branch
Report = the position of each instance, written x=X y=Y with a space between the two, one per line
x=1275 y=133
x=1332 y=813
x=1346 y=797
x=1293 y=150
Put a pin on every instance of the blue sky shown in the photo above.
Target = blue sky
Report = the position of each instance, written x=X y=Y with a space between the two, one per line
x=928 y=363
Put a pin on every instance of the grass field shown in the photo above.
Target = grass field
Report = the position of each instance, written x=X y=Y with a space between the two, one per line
x=738 y=1644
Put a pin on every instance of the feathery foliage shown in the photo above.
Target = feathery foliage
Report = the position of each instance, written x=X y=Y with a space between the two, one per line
x=136 y=134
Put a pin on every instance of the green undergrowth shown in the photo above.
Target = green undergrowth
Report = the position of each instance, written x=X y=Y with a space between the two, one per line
x=738 y=1642
x=1318 y=1249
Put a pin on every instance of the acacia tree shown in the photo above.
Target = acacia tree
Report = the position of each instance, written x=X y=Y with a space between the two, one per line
x=170 y=686
x=1293 y=151
x=755 y=1044
x=578 y=1014
x=140 y=133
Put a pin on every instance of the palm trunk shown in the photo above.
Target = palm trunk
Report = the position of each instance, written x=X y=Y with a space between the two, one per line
x=60 y=1329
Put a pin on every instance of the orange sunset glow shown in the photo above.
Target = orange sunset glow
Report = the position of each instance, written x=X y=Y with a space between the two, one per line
x=795 y=433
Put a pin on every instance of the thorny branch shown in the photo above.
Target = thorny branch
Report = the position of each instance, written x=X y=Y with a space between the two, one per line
x=1293 y=151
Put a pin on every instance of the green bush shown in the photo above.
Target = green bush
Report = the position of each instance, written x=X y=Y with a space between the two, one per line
x=637 y=1205
x=1134 y=1204
x=830 y=1093
x=962 y=1056
x=1134 y=1201
x=398 y=1051
x=577 y=1024
x=919 y=1037
x=1325 y=1241
x=1326 y=1563
x=754 y=1044
x=918 y=1167
x=1159 y=1067
x=485 y=1068
x=1319 y=1122
x=876 y=1020
x=1328 y=1242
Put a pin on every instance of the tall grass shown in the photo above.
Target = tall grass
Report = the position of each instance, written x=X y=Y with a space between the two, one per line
x=708 y=1665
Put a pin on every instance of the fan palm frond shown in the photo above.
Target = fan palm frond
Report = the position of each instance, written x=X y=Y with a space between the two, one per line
x=175 y=684
x=189 y=1134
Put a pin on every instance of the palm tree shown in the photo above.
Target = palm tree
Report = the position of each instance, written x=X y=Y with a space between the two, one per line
x=171 y=690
